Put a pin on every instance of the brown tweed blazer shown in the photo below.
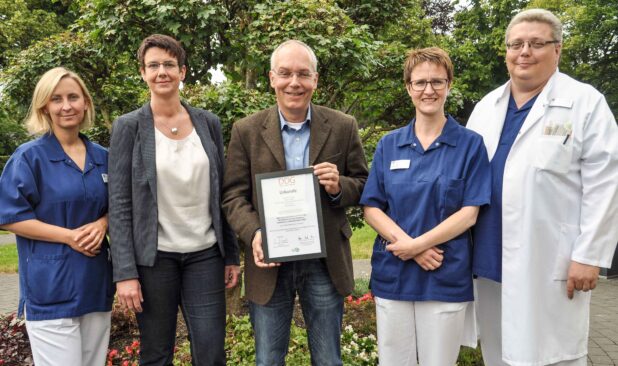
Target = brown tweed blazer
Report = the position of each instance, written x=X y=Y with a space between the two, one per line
x=256 y=147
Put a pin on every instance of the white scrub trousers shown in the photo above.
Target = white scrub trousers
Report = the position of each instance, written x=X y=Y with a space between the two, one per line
x=70 y=341
x=428 y=333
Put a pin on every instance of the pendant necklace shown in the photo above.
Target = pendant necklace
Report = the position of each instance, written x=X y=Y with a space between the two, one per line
x=173 y=130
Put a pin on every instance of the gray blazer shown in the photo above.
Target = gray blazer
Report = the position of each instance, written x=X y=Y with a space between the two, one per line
x=132 y=184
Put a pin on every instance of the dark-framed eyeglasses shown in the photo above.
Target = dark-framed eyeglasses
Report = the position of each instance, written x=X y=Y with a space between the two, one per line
x=436 y=84
x=536 y=44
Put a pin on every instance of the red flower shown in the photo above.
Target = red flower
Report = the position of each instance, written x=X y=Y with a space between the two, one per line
x=135 y=344
x=125 y=363
x=128 y=349
x=112 y=353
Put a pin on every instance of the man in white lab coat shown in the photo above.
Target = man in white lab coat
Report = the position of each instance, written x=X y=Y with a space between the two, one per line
x=553 y=218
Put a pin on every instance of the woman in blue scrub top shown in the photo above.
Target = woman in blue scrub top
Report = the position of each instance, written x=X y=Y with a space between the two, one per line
x=423 y=193
x=53 y=196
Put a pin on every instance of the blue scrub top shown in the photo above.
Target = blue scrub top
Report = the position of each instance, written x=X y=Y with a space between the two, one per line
x=452 y=173
x=487 y=232
x=41 y=182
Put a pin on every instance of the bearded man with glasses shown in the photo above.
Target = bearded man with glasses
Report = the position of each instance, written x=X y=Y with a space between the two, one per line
x=553 y=148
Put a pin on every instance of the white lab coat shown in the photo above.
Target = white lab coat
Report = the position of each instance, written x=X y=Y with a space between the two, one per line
x=560 y=203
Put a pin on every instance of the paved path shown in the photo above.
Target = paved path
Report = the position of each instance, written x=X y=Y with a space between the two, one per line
x=7 y=239
x=603 y=341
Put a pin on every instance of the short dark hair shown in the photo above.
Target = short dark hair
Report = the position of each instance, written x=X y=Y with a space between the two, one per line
x=169 y=44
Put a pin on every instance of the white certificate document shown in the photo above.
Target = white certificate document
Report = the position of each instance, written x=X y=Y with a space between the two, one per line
x=291 y=215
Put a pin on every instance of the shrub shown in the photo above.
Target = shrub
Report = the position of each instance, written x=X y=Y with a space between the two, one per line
x=14 y=344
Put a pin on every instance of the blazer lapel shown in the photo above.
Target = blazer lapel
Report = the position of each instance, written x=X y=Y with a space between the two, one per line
x=271 y=134
x=147 y=147
x=319 y=133
x=202 y=129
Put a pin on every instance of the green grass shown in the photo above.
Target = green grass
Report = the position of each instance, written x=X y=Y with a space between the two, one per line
x=362 y=242
x=8 y=258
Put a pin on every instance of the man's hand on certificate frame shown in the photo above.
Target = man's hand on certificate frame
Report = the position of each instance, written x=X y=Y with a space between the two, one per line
x=328 y=176
x=258 y=253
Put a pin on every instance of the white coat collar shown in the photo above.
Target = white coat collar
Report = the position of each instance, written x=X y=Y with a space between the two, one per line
x=539 y=107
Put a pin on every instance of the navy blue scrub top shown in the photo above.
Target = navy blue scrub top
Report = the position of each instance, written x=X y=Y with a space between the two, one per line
x=487 y=233
x=452 y=173
x=41 y=182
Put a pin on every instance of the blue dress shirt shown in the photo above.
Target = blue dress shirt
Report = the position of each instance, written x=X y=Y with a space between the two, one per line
x=419 y=189
x=296 y=142
x=40 y=181
x=487 y=232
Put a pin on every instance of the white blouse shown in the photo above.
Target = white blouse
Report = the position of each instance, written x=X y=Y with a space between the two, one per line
x=183 y=194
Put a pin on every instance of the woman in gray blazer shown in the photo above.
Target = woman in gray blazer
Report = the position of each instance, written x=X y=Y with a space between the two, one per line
x=171 y=246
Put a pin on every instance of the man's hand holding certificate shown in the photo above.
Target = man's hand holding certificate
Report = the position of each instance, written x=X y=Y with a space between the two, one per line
x=291 y=215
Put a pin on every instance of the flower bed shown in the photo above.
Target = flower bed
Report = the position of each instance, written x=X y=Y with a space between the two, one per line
x=358 y=339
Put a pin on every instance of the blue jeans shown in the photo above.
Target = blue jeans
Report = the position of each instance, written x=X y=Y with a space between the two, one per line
x=193 y=281
x=322 y=308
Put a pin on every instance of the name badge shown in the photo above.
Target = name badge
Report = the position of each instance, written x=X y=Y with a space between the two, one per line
x=400 y=164
x=104 y=176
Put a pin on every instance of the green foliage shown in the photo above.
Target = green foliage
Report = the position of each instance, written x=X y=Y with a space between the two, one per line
x=80 y=54
x=346 y=52
x=119 y=26
x=477 y=48
x=230 y=101
x=12 y=134
x=21 y=24
x=98 y=134
x=240 y=347
x=3 y=160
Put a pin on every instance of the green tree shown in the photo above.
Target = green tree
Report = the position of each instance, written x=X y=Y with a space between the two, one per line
x=477 y=48
x=21 y=25
x=113 y=81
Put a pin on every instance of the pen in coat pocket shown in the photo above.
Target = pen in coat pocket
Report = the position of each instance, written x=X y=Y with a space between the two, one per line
x=566 y=138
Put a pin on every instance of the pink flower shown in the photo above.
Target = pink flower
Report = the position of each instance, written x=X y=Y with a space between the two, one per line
x=112 y=353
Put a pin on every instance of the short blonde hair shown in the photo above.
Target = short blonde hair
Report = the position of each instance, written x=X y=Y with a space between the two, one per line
x=37 y=121
x=433 y=55
x=539 y=16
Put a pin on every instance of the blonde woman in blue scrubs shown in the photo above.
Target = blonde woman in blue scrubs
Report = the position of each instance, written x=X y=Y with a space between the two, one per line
x=424 y=190
x=53 y=196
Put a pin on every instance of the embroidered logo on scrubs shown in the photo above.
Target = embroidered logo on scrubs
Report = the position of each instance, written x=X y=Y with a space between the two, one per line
x=400 y=164
x=104 y=176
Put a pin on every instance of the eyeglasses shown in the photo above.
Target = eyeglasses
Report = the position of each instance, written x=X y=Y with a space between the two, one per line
x=303 y=75
x=436 y=84
x=536 y=44
x=167 y=65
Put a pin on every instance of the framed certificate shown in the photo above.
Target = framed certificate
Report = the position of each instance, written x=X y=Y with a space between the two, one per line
x=291 y=215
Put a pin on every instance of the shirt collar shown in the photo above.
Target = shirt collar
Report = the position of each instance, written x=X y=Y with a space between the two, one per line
x=55 y=152
x=449 y=135
x=283 y=122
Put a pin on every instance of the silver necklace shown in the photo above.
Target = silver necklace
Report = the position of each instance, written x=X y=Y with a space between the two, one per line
x=173 y=130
